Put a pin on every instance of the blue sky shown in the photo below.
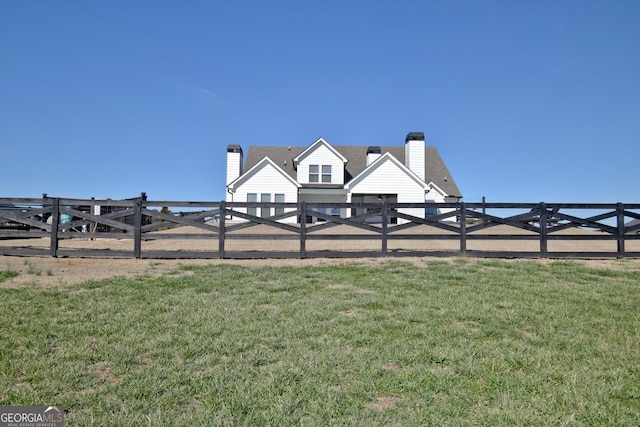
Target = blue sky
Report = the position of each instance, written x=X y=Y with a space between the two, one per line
x=526 y=101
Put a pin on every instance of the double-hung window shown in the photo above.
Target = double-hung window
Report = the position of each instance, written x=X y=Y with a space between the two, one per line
x=252 y=198
x=326 y=173
x=279 y=198
x=315 y=175
x=265 y=211
x=314 y=171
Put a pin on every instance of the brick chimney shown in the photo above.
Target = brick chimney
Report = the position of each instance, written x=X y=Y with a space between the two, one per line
x=414 y=149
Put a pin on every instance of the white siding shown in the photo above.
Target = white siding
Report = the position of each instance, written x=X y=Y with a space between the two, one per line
x=414 y=153
x=267 y=179
x=437 y=197
x=234 y=161
x=322 y=155
x=388 y=178
x=447 y=210
x=372 y=157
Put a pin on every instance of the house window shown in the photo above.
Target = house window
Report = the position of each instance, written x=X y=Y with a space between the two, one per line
x=265 y=211
x=252 y=198
x=326 y=173
x=279 y=198
x=315 y=175
x=314 y=171
x=322 y=211
x=430 y=212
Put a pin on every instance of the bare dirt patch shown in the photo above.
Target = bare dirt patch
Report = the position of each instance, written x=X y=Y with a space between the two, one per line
x=103 y=372
x=49 y=271
x=390 y=366
x=383 y=403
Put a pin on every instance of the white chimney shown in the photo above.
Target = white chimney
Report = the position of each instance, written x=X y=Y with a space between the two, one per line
x=414 y=149
x=373 y=153
x=234 y=162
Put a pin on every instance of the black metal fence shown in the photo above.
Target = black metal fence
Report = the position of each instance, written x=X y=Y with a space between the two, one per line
x=140 y=228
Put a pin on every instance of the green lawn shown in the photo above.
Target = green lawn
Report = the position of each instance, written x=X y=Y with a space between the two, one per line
x=487 y=342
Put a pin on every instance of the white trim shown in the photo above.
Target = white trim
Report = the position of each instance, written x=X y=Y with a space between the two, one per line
x=247 y=175
x=432 y=186
x=312 y=147
x=379 y=161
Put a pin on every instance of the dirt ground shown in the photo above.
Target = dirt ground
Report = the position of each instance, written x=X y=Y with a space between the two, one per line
x=49 y=271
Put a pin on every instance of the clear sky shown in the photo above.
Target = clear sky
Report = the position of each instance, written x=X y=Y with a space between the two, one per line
x=526 y=101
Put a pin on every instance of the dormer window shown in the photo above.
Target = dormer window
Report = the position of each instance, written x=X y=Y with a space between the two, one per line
x=313 y=173
x=326 y=173
x=315 y=176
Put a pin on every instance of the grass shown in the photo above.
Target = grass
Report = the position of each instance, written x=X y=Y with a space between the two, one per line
x=10 y=272
x=32 y=269
x=7 y=274
x=447 y=343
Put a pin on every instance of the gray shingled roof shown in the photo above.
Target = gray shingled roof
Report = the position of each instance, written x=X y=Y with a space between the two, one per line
x=435 y=169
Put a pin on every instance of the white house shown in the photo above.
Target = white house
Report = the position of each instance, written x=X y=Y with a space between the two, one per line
x=321 y=172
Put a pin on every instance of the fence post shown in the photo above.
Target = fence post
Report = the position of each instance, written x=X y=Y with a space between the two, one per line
x=620 y=220
x=55 y=219
x=137 y=228
x=463 y=229
x=303 y=230
x=222 y=228
x=385 y=220
x=484 y=209
x=543 y=229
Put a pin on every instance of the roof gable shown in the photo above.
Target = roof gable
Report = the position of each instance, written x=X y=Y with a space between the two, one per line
x=313 y=147
x=265 y=162
x=386 y=157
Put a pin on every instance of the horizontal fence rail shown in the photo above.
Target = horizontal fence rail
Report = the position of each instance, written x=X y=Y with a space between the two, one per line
x=140 y=228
